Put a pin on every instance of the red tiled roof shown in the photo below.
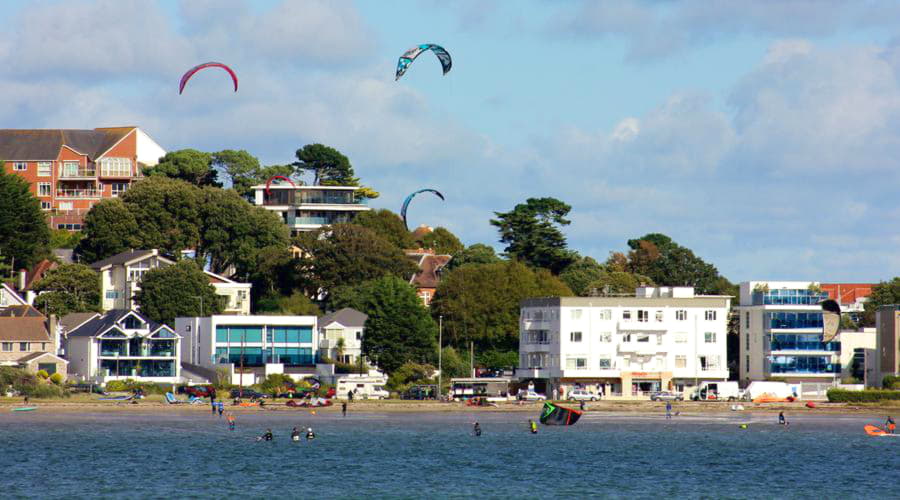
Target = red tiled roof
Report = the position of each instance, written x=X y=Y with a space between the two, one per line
x=428 y=275
x=37 y=272
x=847 y=293
x=27 y=329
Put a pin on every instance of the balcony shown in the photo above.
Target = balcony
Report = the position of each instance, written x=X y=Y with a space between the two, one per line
x=78 y=173
x=328 y=344
x=78 y=193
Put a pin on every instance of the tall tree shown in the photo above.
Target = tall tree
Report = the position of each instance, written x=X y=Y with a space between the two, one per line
x=478 y=253
x=388 y=225
x=241 y=168
x=532 y=233
x=24 y=235
x=442 y=241
x=109 y=228
x=884 y=293
x=167 y=213
x=68 y=288
x=669 y=264
x=188 y=165
x=399 y=329
x=579 y=274
x=178 y=290
x=327 y=165
x=616 y=283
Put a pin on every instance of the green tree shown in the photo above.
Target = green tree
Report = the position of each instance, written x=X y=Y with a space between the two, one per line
x=480 y=302
x=479 y=253
x=884 y=293
x=109 y=228
x=276 y=383
x=443 y=242
x=295 y=304
x=60 y=238
x=498 y=360
x=68 y=288
x=616 y=283
x=669 y=264
x=274 y=272
x=167 y=213
x=399 y=328
x=453 y=364
x=531 y=232
x=241 y=167
x=581 y=273
x=327 y=165
x=409 y=374
x=189 y=165
x=176 y=290
x=24 y=235
x=388 y=225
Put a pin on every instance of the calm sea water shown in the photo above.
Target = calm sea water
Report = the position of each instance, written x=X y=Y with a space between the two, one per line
x=436 y=456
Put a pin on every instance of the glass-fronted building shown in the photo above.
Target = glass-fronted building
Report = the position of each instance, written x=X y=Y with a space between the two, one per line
x=307 y=208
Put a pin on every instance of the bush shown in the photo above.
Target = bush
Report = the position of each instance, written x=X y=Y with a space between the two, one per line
x=43 y=391
x=43 y=374
x=131 y=385
x=56 y=378
x=409 y=374
x=867 y=396
x=891 y=382
x=276 y=383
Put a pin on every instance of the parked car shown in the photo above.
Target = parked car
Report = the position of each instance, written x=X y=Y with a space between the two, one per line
x=666 y=396
x=527 y=395
x=582 y=395
x=198 y=391
x=248 y=394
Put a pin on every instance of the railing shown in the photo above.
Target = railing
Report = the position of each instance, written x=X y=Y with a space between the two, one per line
x=805 y=346
x=81 y=172
x=78 y=193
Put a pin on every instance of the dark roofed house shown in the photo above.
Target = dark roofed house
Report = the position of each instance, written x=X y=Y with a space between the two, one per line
x=428 y=276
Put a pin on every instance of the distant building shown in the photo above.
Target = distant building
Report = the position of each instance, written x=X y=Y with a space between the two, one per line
x=887 y=344
x=27 y=338
x=428 y=275
x=346 y=324
x=71 y=170
x=851 y=296
x=662 y=338
x=308 y=208
x=122 y=344
x=121 y=279
x=781 y=333
x=263 y=345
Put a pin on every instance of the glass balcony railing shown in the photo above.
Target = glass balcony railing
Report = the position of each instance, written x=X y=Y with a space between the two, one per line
x=788 y=298
x=805 y=346
x=74 y=173
x=786 y=320
x=78 y=193
x=804 y=365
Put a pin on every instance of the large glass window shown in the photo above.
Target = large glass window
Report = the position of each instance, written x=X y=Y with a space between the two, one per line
x=643 y=316
x=115 y=167
x=239 y=334
x=293 y=355
x=575 y=336
x=605 y=363
x=804 y=297
x=291 y=334
x=710 y=315
x=802 y=342
x=681 y=315
x=680 y=361
x=804 y=364
x=44 y=169
x=576 y=363
x=794 y=319
x=709 y=337
x=605 y=314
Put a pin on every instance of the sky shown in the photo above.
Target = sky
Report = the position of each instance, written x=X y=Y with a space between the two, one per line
x=762 y=135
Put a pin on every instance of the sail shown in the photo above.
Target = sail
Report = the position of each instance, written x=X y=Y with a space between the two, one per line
x=559 y=415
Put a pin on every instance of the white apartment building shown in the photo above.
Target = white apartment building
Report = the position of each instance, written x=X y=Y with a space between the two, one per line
x=307 y=208
x=121 y=279
x=781 y=331
x=664 y=338
x=262 y=345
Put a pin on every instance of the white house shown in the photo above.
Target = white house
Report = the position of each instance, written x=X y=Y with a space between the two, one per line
x=250 y=347
x=123 y=344
x=659 y=339
x=342 y=330
x=307 y=208
x=121 y=279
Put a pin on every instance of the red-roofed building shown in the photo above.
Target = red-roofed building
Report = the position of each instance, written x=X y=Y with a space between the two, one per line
x=71 y=170
x=850 y=296
x=427 y=278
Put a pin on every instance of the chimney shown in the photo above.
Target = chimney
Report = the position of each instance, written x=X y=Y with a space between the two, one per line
x=53 y=328
x=23 y=274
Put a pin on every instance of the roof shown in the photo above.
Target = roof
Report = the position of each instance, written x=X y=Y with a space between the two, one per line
x=20 y=311
x=44 y=144
x=847 y=293
x=421 y=231
x=630 y=301
x=72 y=321
x=101 y=323
x=35 y=355
x=429 y=273
x=11 y=293
x=27 y=329
x=346 y=316
x=123 y=258
x=37 y=272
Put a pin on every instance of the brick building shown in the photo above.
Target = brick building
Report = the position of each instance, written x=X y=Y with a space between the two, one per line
x=71 y=170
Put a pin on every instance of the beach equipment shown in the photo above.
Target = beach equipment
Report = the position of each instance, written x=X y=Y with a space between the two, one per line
x=25 y=408
x=874 y=430
x=172 y=400
x=559 y=415
x=116 y=398
x=410 y=55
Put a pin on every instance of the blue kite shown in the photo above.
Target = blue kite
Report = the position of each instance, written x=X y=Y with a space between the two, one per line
x=410 y=55
x=409 y=199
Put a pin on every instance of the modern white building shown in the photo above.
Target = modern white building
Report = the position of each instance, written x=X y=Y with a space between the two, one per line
x=341 y=333
x=123 y=344
x=307 y=208
x=781 y=333
x=250 y=347
x=664 y=338
x=121 y=279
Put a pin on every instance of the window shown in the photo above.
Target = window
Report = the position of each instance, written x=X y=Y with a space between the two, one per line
x=605 y=314
x=747 y=341
x=576 y=363
x=747 y=319
x=626 y=337
x=358 y=335
x=681 y=338
x=681 y=315
x=70 y=169
x=7 y=346
x=20 y=166
x=45 y=205
x=659 y=316
x=680 y=361
x=709 y=363
x=643 y=315
x=45 y=169
x=43 y=189
x=69 y=227
x=709 y=337
x=606 y=337
x=575 y=336
x=66 y=205
x=115 y=167
x=24 y=346
x=643 y=338
x=605 y=363
x=112 y=294
x=710 y=315
x=748 y=363
x=576 y=314
x=117 y=188
x=626 y=315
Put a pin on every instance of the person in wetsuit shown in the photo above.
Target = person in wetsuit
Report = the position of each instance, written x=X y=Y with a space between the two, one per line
x=889 y=425
x=533 y=426
x=267 y=436
x=310 y=435
x=476 y=429
x=344 y=409
x=781 y=419
x=295 y=435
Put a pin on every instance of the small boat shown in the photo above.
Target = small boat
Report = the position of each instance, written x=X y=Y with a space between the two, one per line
x=874 y=430
x=248 y=404
x=559 y=415
x=25 y=408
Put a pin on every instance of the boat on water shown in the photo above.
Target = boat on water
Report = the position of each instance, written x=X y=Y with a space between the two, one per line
x=554 y=414
x=874 y=430
x=25 y=408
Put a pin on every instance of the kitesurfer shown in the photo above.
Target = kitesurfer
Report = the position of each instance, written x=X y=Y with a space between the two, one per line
x=310 y=435
x=668 y=410
x=295 y=435
x=230 y=419
x=533 y=425
x=344 y=409
x=889 y=425
x=267 y=436
x=221 y=409
x=477 y=429
x=781 y=419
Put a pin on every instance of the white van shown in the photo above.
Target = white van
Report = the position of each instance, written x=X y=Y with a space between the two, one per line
x=717 y=391
x=774 y=390
x=362 y=388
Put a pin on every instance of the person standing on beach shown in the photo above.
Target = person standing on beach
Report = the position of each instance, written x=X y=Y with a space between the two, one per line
x=668 y=410
x=212 y=404
x=781 y=419
x=221 y=409
x=344 y=409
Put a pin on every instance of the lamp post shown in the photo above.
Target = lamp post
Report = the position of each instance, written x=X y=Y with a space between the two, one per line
x=440 y=355
x=195 y=347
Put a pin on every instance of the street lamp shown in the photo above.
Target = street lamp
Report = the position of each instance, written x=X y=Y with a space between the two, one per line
x=440 y=353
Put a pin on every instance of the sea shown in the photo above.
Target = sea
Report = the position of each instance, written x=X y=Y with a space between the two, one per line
x=437 y=455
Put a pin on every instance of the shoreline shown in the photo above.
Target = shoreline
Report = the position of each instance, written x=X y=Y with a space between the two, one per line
x=405 y=406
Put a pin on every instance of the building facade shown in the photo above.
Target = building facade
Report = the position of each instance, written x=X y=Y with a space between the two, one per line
x=121 y=279
x=251 y=347
x=123 y=344
x=428 y=275
x=887 y=344
x=852 y=297
x=659 y=339
x=781 y=333
x=341 y=334
x=71 y=170
x=308 y=208
x=27 y=338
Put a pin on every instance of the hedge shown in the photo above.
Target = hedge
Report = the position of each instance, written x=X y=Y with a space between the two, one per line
x=891 y=382
x=867 y=396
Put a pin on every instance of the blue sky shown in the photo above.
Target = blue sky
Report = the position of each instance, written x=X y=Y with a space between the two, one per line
x=762 y=135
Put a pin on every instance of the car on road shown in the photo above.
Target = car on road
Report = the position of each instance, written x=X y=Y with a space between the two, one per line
x=666 y=396
x=581 y=395
x=530 y=396
x=247 y=394
x=198 y=391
